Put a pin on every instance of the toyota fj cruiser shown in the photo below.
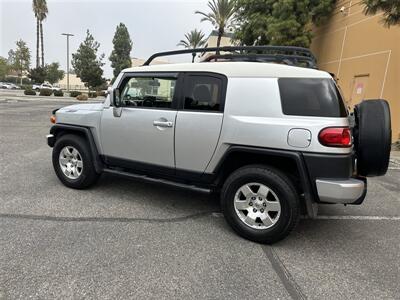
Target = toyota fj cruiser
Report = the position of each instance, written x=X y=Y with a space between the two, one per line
x=272 y=138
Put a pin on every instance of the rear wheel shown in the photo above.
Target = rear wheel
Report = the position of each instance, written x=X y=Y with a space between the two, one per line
x=73 y=162
x=260 y=203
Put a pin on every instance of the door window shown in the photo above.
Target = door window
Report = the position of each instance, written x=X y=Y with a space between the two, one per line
x=148 y=92
x=203 y=93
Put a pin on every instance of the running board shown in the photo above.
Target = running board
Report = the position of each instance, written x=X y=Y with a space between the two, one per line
x=158 y=181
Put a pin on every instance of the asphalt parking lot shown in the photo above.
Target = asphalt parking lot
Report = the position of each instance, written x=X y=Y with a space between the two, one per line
x=124 y=239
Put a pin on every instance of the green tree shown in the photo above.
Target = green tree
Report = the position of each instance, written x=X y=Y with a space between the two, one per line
x=37 y=75
x=390 y=9
x=40 y=10
x=193 y=39
x=4 y=67
x=53 y=74
x=20 y=58
x=280 y=22
x=86 y=64
x=120 y=56
x=221 y=15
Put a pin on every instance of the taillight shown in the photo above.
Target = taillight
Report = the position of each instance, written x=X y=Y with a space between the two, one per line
x=53 y=119
x=335 y=137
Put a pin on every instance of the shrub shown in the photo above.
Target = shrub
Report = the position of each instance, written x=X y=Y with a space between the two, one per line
x=92 y=94
x=101 y=94
x=58 y=93
x=74 y=94
x=30 y=92
x=82 y=97
x=45 y=92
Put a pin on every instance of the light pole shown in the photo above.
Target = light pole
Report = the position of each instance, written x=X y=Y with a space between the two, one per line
x=67 y=35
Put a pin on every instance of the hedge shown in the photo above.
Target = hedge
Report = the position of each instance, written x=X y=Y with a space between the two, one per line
x=82 y=97
x=45 y=92
x=30 y=92
x=74 y=94
x=58 y=93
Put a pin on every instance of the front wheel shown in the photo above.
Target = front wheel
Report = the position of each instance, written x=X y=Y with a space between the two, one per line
x=73 y=162
x=260 y=203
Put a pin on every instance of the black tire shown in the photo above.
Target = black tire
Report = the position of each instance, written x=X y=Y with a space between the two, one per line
x=88 y=176
x=372 y=137
x=280 y=184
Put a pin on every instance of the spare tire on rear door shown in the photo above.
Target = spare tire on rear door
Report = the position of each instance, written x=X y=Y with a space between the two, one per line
x=372 y=137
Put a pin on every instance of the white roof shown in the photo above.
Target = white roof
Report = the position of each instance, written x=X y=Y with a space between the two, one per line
x=237 y=69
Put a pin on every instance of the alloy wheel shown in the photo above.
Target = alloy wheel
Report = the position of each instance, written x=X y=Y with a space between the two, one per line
x=257 y=205
x=71 y=163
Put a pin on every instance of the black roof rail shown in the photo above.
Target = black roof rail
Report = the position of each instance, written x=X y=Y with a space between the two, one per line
x=279 y=54
x=292 y=60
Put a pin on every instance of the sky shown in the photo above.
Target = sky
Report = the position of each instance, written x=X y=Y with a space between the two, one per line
x=154 y=25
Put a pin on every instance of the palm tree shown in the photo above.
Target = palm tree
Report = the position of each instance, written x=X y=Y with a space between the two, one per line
x=193 y=39
x=40 y=11
x=221 y=16
x=36 y=11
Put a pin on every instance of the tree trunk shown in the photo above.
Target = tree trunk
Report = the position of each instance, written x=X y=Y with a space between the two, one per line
x=193 y=56
x=41 y=40
x=220 y=34
x=37 y=43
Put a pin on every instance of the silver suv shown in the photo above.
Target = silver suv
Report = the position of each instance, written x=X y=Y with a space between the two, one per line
x=273 y=140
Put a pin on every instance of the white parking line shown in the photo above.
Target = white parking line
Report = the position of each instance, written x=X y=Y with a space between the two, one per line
x=370 y=218
x=373 y=218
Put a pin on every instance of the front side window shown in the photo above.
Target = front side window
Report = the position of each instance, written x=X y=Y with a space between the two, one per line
x=148 y=92
x=203 y=93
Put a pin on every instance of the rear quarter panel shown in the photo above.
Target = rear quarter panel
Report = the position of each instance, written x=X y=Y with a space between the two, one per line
x=253 y=117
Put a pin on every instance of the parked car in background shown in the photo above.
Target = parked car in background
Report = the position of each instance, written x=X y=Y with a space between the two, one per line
x=38 y=87
x=8 y=86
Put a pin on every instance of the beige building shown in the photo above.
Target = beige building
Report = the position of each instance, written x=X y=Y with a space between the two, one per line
x=226 y=40
x=75 y=83
x=137 y=62
x=364 y=56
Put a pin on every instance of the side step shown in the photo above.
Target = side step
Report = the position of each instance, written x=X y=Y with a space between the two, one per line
x=158 y=181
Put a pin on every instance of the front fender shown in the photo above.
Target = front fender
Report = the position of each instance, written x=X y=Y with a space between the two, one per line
x=59 y=129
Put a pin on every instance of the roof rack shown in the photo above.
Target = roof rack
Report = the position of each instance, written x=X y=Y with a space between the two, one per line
x=290 y=55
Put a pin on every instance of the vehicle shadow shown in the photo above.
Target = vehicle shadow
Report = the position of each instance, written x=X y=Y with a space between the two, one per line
x=157 y=196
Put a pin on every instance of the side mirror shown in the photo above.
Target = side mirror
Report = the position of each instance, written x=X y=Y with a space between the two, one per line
x=117 y=98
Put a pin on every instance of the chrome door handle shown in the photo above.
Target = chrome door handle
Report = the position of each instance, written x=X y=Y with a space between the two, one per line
x=163 y=123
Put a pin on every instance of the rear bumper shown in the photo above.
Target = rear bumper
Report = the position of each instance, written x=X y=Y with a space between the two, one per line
x=334 y=179
x=342 y=191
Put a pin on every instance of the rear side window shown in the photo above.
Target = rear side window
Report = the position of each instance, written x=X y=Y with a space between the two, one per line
x=318 y=97
x=203 y=93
